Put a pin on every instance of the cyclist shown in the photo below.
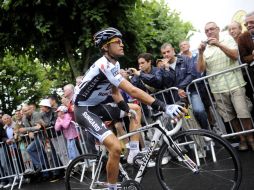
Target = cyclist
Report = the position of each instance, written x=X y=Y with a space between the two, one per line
x=103 y=79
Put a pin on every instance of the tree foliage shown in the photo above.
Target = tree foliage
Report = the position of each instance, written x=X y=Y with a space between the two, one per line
x=25 y=80
x=60 y=29
x=154 y=24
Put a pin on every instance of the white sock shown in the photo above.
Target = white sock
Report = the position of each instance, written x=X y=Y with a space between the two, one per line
x=112 y=186
x=134 y=146
x=134 y=150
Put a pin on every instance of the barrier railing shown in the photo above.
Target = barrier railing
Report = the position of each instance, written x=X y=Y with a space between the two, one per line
x=205 y=82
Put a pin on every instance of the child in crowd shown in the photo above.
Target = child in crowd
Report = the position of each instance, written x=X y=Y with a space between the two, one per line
x=64 y=123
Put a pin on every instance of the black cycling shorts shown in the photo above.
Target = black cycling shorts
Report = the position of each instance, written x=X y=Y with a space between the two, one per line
x=92 y=117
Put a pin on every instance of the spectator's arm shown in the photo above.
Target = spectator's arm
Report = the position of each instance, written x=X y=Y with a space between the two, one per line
x=153 y=80
x=231 y=53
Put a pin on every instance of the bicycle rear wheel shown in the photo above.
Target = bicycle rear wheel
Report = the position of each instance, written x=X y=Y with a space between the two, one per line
x=81 y=173
x=218 y=164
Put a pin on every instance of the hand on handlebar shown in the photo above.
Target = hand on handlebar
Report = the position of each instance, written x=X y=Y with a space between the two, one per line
x=175 y=111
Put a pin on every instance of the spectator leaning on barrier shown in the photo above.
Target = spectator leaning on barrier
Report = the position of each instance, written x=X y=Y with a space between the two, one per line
x=196 y=95
x=54 y=141
x=14 y=156
x=33 y=122
x=218 y=54
x=64 y=123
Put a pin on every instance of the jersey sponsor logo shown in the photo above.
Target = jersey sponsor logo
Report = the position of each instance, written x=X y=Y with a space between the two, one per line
x=91 y=121
x=89 y=87
x=114 y=71
x=104 y=94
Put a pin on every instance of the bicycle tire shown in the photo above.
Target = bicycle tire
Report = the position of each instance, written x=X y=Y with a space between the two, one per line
x=223 y=171
x=80 y=173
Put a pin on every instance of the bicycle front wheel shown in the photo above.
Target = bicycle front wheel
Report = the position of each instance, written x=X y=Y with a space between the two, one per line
x=85 y=172
x=218 y=165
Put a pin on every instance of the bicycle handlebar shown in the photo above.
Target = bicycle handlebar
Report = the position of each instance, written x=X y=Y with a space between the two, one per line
x=176 y=128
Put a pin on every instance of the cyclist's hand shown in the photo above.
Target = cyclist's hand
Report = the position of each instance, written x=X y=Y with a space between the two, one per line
x=175 y=111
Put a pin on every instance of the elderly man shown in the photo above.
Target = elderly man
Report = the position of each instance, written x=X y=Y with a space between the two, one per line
x=235 y=30
x=218 y=54
x=15 y=156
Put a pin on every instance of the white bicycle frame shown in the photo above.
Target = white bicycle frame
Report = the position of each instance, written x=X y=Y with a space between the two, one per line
x=160 y=130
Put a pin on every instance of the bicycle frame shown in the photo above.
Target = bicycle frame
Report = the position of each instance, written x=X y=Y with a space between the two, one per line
x=160 y=130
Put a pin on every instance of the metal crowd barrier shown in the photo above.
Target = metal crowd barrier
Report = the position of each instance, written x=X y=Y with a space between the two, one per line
x=219 y=124
x=46 y=149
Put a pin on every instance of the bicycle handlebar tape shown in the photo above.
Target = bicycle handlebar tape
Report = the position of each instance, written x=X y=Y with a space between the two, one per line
x=122 y=105
x=158 y=105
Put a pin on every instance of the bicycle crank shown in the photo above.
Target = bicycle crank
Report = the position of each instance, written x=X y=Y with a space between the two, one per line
x=130 y=185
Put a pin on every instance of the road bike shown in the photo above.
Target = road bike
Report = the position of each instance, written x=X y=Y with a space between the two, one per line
x=192 y=159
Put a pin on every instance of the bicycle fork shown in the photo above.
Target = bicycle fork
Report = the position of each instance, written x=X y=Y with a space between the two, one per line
x=175 y=149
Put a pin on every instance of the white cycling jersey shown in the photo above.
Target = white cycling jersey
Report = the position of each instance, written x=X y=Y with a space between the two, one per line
x=97 y=83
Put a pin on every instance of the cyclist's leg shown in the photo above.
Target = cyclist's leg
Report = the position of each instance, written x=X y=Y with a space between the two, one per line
x=114 y=148
x=135 y=123
x=112 y=112
x=90 y=117
x=135 y=139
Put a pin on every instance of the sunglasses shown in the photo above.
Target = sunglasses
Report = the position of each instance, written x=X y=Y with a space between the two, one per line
x=115 y=40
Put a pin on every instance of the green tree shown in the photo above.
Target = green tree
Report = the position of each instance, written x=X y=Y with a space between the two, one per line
x=153 y=24
x=62 y=30
x=58 y=30
x=25 y=80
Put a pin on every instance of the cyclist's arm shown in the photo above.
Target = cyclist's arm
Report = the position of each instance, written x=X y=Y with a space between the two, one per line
x=136 y=92
x=116 y=95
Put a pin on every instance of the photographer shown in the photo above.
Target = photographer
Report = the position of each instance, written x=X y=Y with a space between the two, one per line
x=148 y=78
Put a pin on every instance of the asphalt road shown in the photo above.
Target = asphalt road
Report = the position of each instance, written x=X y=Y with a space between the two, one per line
x=150 y=181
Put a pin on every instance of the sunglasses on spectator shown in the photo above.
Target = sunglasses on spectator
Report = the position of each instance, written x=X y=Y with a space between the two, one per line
x=115 y=40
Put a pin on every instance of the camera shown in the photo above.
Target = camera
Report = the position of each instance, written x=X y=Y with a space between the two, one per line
x=130 y=72
x=206 y=42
